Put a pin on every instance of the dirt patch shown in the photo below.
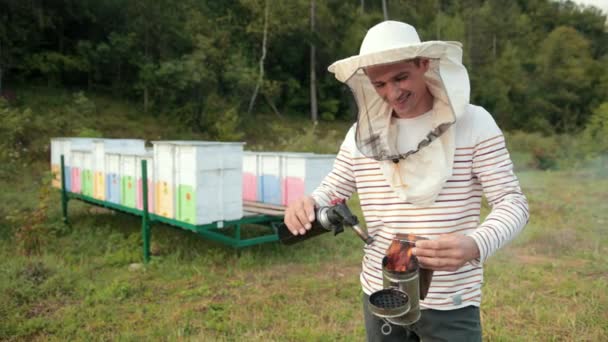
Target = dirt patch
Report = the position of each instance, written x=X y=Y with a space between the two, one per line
x=44 y=309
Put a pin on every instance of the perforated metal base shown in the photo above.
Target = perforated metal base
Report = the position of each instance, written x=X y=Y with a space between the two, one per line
x=389 y=299
x=389 y=303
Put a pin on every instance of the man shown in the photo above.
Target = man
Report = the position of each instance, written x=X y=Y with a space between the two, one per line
x=421 y=157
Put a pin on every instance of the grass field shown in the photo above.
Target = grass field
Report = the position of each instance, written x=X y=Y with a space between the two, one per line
x=88 y=284
x=548 y=285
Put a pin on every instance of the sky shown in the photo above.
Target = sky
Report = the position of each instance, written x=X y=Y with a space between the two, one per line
x=602 y=4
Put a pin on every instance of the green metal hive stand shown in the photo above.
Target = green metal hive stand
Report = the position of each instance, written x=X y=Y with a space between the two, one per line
x=209 y=231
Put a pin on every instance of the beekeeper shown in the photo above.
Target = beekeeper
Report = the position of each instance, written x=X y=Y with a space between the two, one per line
x=420 y=158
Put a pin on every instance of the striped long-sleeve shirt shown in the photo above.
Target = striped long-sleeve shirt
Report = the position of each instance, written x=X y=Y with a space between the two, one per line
x=482 y=166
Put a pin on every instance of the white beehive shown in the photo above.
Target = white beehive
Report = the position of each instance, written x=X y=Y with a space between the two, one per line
x=269 y=177
x=164 y=177
x=302 y=173
x=251 y=172
x=86 y=173
x=81 y=163
x=112 y=166
x=100 y=146
x=208 y=181
x=71 y=143
x=66 y=146
x=128 y=179
x=56 y=151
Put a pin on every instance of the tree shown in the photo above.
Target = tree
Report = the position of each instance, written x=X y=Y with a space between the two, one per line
x=564 y=67
x=313 y=73
x=262 y=58
x=385 y=9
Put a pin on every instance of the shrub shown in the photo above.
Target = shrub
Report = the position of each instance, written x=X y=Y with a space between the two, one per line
x=226 y=126
x=31 y=227
x=544 y=150
x=595 y=135
x=82 y=105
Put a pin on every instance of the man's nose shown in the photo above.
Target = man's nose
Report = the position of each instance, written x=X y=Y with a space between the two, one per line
x=393 y=91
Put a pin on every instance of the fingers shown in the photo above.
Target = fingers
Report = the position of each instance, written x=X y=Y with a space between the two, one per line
x=443 y=254
x=303 y=215
x=439 y=253
x=299 y=215
x=309 y=208
x=441 y=248
x=440 y=264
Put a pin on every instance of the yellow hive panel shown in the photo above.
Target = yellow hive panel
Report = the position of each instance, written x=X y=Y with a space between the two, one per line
x=99 y=185
x=164 y=199
x=56 y=182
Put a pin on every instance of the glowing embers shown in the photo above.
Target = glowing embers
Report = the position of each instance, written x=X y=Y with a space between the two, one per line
x=399 y=257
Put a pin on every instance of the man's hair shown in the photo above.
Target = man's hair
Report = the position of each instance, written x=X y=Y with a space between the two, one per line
x=416 y=61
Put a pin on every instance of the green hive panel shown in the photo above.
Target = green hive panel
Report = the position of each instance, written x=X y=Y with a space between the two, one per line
x=186 y=204
x=87 y=183
x=128 y=194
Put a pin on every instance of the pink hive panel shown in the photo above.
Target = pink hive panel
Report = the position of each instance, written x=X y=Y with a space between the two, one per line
x=293 y=188
x=140 y=202
x=249 y=187
x=76 y=183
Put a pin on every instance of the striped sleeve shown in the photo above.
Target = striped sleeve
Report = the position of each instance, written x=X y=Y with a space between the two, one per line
x=340 y=182
x=493 y=167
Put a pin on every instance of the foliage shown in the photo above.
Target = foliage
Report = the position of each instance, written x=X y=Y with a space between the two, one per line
x=564 y=71
x=537 y=65
x=16 y=129
x=544 y=150
x=31 y=231
x=81 y=105
x=596 y=131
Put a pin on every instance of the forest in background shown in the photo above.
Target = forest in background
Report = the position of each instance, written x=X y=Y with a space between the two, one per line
x=538 y=66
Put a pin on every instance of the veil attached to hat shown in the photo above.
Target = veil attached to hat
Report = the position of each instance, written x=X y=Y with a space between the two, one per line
x=416 y=175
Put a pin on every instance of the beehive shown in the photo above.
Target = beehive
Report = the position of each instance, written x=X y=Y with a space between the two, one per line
x=112 y=166
x=269 y=177
x=164 y=178
x=64 y=146
x=56 y=151
x=86 y=173
x=100 y=147
x=81 y=169
x=251 y=173
x=128 y=179
x=209 y=181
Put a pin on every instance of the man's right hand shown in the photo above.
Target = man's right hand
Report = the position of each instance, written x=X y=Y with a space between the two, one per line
x=299 y=215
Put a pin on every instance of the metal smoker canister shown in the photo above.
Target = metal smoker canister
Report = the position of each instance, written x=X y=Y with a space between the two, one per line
x=406 y=282
x=398 y=302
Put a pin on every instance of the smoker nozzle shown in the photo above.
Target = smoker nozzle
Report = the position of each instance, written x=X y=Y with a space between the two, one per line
x=363 y=234
x=341 y=215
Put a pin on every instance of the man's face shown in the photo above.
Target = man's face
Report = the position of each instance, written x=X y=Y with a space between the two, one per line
x=402 y=86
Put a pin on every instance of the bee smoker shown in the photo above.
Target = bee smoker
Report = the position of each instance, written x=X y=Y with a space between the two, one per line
x=327 y=219
x=405 y=284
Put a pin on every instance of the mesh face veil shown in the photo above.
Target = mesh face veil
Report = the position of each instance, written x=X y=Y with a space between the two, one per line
x=416 y=174
x=375 y=138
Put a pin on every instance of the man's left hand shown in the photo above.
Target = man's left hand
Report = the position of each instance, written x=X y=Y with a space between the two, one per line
x=448 y=253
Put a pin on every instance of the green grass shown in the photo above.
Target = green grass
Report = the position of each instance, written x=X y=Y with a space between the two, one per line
x=548 y=284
